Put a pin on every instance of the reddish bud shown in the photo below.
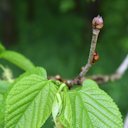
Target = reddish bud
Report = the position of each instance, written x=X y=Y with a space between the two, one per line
x=95 y=57
x=97 y=22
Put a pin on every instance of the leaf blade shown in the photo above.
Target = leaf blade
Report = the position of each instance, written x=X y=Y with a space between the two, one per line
x=93 y=108
x=17 y=59
x=65 y=118
x=3 y=89
x=33 y=100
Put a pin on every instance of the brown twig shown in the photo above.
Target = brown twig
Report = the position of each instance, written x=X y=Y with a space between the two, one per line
x=97 y=24
x=115 y=76
x=100 y=79
x=89 y=64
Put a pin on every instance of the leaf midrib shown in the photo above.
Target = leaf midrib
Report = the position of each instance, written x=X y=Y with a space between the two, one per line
x=32 y=101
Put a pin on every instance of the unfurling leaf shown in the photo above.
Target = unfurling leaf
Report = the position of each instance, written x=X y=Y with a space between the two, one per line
x=65 y=117
x=57 y=105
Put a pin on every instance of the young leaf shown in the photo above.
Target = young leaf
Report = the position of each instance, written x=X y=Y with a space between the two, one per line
x=61 y=110
x=17 y=59
x=65 y=117
x=29 y=102
x=93 y=108
x=57 y=106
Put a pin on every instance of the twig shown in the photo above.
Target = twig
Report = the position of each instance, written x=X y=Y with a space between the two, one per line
x=86 y=68
x=126 y=122
x=97 y=24
x=116 y=76
x=100 y=79
x=123 y=67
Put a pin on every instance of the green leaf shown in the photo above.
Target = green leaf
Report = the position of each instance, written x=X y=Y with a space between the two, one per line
x=3 y=89
x=57 y=104
x=61 y=110
x=93 y=108
x=37 y=71
x=29 y=102
x=17 y=59
x=65 y=117
x=1 y=110
x=3 y=86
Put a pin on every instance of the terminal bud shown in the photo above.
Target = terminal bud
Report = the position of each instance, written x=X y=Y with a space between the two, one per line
x=97 y=22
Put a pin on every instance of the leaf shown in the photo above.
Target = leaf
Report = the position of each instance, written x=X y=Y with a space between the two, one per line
x=93 y=108
x=61 y=110
x=65 y=117
x=37 y=71
x=3 y=89
x=1 y=111
x=3 y=86
x=29 y=102
x=17 y=59
x=57 y=104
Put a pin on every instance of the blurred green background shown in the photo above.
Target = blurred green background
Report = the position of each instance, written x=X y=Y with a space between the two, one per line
x=56 y=34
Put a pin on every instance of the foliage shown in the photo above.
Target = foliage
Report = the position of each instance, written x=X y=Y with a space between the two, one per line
x=28 y=101
x=55 y=34
x=16 y=59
